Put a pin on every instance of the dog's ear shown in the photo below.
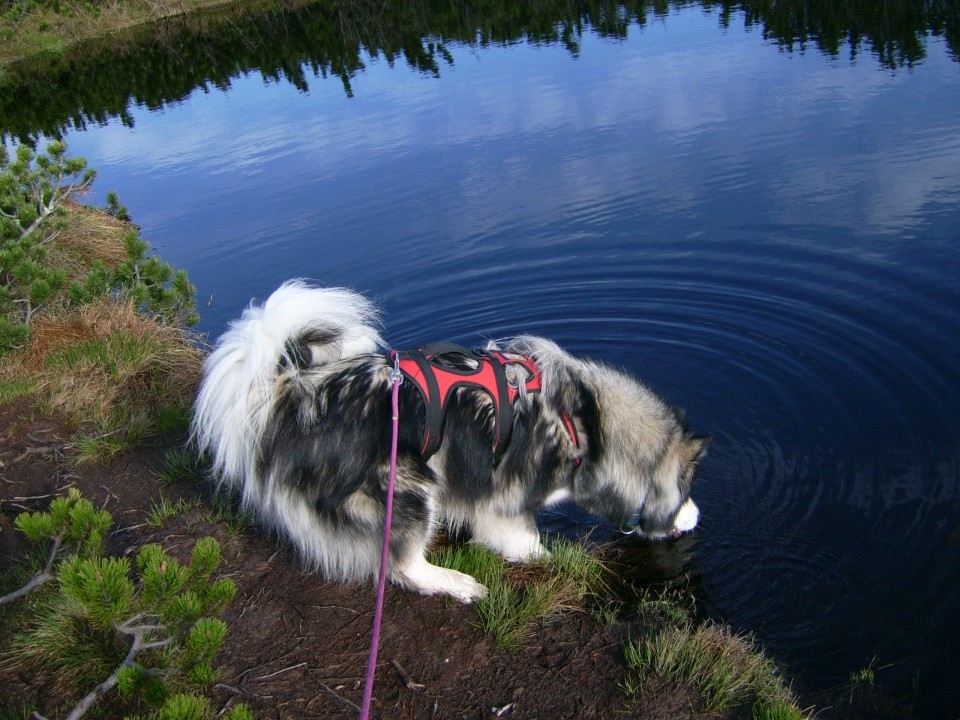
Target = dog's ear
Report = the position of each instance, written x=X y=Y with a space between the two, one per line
x=692 y=450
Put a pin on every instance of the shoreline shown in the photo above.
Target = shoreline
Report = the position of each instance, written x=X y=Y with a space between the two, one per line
x=43 y=30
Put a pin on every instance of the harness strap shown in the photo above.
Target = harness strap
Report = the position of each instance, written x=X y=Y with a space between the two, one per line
x=574 y=435
x=440 y=368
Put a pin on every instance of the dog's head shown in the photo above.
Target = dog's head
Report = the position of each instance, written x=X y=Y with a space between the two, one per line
x=637 y=458
x=642 y=458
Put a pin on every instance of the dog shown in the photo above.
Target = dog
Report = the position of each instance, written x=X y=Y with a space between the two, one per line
x=294 y=411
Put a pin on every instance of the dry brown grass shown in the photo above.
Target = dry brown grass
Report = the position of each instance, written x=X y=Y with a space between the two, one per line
x=115 y=373
x=170 y=353
x=89 y=234
x=111 y=370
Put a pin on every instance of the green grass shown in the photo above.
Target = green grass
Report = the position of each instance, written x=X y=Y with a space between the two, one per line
x=172 y=417
x=181 y=465
x=728 y=669
x=222 y=511
x=61 y=645
x=14 y=712
x=778 y=712
x=114 y=354
x=119 y=387
x=28 y=27
x=864 y=676
x=521 y=594
x=15 y=387
x=104 y=443
x=162 y=511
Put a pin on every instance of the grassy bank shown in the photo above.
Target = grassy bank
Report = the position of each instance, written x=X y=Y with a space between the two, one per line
x=28 y=27
x=728 y=669
x=91 y=325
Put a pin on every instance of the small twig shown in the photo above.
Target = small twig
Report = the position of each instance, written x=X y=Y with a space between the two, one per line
x=230 y=688
x=107 y=685
x=279 y=672
x=37 y=580
x=55 y=493
x=34 y=451
x=405 y=676
x=106 y=500
x=127 y=529
x=338 y=696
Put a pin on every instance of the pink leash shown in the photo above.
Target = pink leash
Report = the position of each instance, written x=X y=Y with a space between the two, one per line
x=396 y=377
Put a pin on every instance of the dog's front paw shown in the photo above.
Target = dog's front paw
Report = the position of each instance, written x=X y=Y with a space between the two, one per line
x=469 y=590
x=429 y=579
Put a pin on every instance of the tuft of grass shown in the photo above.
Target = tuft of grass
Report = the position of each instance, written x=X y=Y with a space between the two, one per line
x=22 y=712
x=863 y=691
x=583 y=570
x=15 y=387
x=88 y=236
x=13 y=577
x=115 y=373
x=728 y=669
x=109 y=438
x=162 y=511
x=60 y=645
x=521 y=594
x=864 y=676
x=168 y=418
x=223 y=511
x=181 y=465
x=778 y=712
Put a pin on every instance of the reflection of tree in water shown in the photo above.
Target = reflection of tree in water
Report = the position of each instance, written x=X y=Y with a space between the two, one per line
x=97 y=82
x=893 y=30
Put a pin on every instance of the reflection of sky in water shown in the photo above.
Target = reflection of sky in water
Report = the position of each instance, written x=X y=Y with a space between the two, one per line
x=770 y=237
x=735 y=112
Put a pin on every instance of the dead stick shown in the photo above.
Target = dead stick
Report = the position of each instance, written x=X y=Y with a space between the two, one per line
x=405 y=676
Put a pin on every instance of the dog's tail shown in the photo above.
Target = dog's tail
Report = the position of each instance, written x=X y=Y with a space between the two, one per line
x=298 y=328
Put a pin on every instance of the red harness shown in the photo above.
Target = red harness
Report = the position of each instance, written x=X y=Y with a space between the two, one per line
x=438 y=369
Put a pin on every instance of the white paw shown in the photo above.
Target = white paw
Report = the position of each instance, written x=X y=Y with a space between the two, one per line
x=468 y=590
x=429 y=579
x=526 y=553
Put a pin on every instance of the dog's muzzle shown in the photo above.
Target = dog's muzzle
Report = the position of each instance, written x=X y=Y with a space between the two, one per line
x=686 y=520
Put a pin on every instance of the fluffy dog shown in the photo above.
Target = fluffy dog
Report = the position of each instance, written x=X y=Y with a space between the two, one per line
x=295 y=411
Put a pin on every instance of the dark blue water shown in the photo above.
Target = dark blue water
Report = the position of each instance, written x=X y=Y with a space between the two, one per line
x=769 y=237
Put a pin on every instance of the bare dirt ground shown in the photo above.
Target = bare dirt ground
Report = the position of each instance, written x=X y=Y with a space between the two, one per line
x=297 y=646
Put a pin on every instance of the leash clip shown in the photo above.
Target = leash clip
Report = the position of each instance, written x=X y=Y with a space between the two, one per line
x=396 y=376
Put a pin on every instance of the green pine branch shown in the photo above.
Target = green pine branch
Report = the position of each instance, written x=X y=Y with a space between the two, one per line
x=72 y=525
x=163 y=610
x=34 y=189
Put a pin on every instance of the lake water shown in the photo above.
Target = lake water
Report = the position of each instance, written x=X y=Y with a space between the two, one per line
x=764 y=229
